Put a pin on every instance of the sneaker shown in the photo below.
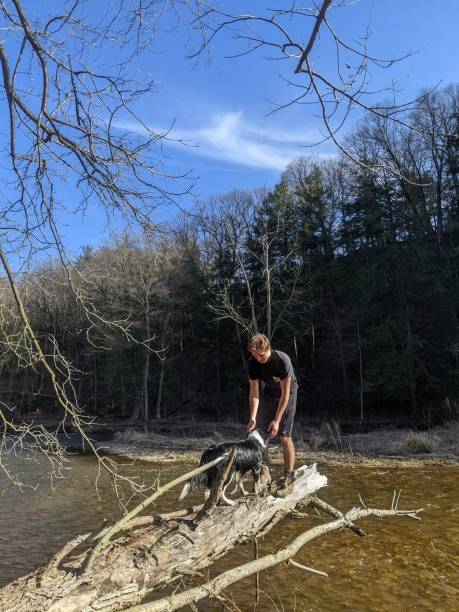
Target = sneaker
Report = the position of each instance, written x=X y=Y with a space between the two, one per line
x=285 y=484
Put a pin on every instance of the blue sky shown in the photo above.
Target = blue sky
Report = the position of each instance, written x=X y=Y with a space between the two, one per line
x=220 y=107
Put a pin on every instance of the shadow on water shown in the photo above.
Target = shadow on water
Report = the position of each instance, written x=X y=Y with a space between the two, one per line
x=401 y=565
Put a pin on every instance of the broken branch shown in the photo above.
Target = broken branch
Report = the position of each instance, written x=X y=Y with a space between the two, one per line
x=222 y=581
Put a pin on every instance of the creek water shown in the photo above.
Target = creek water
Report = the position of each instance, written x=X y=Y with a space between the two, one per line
x=402 y=564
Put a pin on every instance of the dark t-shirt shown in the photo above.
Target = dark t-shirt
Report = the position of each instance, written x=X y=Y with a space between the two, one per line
x=270 y=374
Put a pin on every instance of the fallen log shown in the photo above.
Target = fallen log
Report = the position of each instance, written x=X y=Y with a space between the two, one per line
x=149 y=554
x=214 y=587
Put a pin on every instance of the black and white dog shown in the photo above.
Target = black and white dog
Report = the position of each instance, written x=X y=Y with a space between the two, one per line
x=248 y=457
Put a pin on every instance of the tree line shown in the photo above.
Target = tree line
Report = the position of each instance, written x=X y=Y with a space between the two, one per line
x=351 y=271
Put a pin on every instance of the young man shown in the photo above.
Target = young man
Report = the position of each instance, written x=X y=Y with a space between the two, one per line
x=273 y=391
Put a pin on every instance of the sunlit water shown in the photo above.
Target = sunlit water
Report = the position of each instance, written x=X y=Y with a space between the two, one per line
x=401 y=565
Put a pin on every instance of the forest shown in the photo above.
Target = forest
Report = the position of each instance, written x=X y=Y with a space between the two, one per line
x=351 y=268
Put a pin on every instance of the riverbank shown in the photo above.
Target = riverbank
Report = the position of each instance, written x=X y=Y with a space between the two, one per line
x=177 y=441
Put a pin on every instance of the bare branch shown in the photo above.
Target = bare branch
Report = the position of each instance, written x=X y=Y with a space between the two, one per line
x=216 y=585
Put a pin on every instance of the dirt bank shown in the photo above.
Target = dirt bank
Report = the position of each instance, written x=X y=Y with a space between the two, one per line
x=177 y=441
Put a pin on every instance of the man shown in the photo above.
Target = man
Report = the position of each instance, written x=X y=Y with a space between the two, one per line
x=272 y=398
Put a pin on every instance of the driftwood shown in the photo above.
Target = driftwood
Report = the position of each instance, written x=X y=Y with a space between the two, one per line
x=106 y=535
x=215 y=586
x=149 y=554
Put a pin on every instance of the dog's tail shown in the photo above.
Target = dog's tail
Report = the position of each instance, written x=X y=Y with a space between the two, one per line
x=197 y=482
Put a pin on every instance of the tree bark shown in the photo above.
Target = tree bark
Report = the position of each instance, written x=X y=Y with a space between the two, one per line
x=150 y=555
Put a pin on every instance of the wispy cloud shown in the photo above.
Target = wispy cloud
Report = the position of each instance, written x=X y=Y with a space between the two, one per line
x=230 y=138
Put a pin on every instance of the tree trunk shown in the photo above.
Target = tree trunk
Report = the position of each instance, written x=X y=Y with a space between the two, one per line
x=162 y=366
x=267 y=273
x=339 y=336
x=123 y=398
x=218 y=371
x=241 y=347
x=361 y=373
x=10 y=388
x=337 y=322
x=137 y=407
x=24 y=391
x=150 y=555
x=146 y=368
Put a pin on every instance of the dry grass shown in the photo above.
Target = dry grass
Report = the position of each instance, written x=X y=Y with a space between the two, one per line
x=451 y=410
x=440 y=441
x=181 y=437
x=167 y=437
x=417 y=442
x=450 y=436
x=132 y=436
x=317 y=440
x=327 y=436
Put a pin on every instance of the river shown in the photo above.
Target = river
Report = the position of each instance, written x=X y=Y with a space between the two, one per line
x=401 y=565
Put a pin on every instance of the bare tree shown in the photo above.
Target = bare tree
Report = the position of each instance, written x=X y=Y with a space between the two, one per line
x=255 y=283
x=225 y=223
x=67 y=91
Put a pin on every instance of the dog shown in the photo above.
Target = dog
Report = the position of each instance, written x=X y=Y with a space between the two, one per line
x=248 y=457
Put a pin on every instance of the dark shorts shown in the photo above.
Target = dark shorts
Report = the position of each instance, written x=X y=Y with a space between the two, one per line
x=267 y=410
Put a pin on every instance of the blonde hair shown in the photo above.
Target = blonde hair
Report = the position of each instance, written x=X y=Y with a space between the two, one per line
x=259 y=342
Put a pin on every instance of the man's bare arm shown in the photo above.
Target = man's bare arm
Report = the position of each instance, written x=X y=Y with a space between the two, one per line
x=254 y=400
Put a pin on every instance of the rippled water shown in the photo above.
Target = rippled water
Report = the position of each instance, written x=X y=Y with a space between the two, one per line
x=401 y=565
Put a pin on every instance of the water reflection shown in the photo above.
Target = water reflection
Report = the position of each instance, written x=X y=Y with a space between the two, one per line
x=401 y=565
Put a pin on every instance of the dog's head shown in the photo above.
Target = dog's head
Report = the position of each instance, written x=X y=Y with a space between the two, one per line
x=260 y=435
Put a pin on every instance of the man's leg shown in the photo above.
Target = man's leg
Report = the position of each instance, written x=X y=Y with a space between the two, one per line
x=286 y=483
x=289 y=453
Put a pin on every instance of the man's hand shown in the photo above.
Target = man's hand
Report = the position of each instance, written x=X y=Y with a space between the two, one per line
x=273 y=429
x=251 y=425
